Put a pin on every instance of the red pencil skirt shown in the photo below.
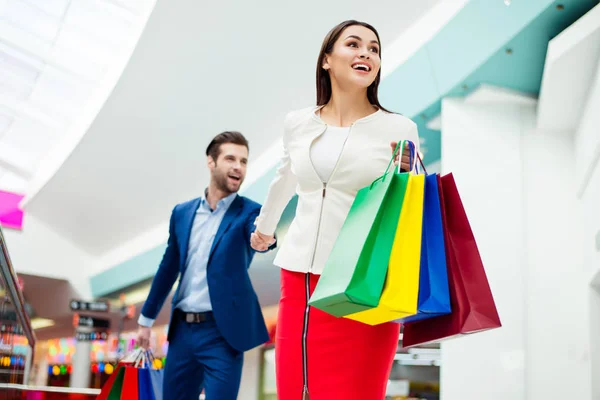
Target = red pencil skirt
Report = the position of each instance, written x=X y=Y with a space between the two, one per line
x=330 y=358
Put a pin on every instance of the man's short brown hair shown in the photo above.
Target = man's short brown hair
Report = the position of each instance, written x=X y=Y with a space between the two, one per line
x=214 y=148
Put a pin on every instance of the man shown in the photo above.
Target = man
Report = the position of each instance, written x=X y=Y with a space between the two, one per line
x=216 y=315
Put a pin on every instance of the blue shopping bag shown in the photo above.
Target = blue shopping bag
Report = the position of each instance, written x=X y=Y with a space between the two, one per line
x=434 y=293
x=145 y=388
x=157 y=378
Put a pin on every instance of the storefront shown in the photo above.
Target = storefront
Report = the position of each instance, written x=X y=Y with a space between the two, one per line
x=54 y=357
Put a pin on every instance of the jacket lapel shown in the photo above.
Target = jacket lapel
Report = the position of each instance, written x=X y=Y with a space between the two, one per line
x=228 y=218
x=188 y=221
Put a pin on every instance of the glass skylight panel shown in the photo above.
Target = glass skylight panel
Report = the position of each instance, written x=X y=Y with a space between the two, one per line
x=27 y=134
x=19 y=64
x=53 y=7
x=136 y=7
x=18 y=161
x=98 y=17
x=54 y=54
x=30 y=18
x=84 y=54
x=12 y=182
x=5 y=122
x=58 y=90
x=17 y=78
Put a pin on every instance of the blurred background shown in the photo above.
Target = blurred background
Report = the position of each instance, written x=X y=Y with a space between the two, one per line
x=107 y=106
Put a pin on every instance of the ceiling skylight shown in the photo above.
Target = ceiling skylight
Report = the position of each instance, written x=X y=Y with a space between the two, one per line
x=56 y=56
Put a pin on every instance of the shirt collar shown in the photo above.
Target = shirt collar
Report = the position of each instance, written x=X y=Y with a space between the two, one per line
x=225 y=202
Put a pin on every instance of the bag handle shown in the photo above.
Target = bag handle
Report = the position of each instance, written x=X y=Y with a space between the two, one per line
x=421 y=162
x=399 y=145
x=133 y=356
x=141 y=361
x=413 y=154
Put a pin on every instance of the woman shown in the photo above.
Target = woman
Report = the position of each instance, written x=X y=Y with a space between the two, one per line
x=330 y=152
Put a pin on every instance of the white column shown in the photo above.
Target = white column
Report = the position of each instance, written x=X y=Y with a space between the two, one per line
x=81 y=363
x=595 y=340
x=558 y=295
x=587 y=172
x=28 y=365
x=519 y=189
x=481 y=145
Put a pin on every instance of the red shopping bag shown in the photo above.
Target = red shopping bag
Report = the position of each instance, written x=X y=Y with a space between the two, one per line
x=473 y=306
x=109 y=383
x=130 y=360
x=130 y=384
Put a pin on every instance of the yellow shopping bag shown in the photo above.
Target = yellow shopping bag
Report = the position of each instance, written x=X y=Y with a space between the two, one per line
x=401 y=290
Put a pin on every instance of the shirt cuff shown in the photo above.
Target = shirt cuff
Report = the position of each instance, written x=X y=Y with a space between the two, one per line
x=145 y=321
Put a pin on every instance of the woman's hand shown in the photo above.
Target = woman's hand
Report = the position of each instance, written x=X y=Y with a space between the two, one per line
x=260 y=241
x=405 y=163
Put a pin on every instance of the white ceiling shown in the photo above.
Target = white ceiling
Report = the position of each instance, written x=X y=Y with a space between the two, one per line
x=54 y=54
x=198 y=69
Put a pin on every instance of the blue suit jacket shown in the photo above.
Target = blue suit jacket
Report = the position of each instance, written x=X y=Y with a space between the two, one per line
x=235 y=305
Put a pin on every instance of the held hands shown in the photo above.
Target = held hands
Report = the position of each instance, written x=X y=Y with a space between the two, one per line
x=405 y=163
x=143 y=337
x=260 y=241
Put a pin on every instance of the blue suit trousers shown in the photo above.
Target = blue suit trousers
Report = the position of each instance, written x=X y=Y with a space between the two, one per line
x=200 y=358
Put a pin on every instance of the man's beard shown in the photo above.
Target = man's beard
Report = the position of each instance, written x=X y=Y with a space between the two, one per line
x=221 y=179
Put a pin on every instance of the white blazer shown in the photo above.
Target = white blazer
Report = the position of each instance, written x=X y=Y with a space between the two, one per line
x=323 y=206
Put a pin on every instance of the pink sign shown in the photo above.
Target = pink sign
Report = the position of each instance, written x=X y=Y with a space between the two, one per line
x=11 y=216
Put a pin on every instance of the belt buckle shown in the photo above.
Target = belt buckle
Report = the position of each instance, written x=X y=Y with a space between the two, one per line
x=190 y=317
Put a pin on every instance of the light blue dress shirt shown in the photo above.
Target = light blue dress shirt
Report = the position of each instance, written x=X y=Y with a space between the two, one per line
x=193 y=292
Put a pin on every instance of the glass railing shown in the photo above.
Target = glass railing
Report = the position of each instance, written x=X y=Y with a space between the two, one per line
x=17 y=338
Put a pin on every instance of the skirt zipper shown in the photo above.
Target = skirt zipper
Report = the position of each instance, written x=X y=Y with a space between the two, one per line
x=305 y=395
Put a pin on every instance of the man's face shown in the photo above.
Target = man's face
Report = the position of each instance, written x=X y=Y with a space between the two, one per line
x=229 y=170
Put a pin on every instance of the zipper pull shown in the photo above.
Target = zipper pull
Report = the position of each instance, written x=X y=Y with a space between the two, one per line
x=324 y=189
x=305 y=395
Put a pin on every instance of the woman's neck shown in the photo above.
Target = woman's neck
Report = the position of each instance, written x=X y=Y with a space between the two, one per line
x=346 y=106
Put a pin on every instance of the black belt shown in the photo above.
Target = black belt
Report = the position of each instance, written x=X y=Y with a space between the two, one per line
x=194 y=317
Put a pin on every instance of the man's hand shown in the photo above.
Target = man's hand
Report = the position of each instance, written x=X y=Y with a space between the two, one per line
x=143 y=337
x=405 y=165
x=260 y=241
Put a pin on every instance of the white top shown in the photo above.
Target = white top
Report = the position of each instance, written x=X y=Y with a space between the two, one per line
x=322 y=208
x=326 y=150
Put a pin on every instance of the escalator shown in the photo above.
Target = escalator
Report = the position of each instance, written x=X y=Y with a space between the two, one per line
x=17 y=343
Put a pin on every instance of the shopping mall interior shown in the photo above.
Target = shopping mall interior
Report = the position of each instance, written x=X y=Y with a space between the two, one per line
x=107 y=106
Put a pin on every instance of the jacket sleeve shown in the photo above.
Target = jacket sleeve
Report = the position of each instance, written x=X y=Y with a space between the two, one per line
x=165 y=277
x=281 y=190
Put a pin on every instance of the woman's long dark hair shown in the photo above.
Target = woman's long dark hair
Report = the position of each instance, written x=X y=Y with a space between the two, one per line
x=323 y=79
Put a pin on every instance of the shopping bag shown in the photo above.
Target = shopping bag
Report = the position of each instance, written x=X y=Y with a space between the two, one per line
x=129 y=390
x=157 y=378
x=472 y=302
x=117 y=386
x=107 y=387
x=434 y=294
x=354 y=274
x=129 y=360
x=145 y=389
x=401 y=291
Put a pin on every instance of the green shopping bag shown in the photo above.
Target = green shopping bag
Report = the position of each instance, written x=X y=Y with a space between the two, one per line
x=117 y=386
x=354 y=274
